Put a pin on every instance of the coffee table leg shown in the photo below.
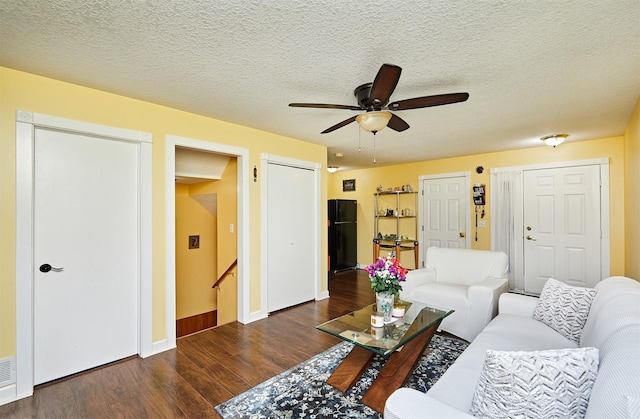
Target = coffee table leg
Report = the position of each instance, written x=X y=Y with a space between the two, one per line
x=397 y=370
x=351 y=368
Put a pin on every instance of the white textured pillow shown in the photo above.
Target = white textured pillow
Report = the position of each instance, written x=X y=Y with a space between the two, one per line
x=564 y=308
x=541 y=384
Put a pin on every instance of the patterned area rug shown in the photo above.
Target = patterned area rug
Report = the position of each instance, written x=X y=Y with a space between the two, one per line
x=302 y=392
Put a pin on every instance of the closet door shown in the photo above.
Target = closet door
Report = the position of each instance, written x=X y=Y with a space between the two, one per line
x=290 y=233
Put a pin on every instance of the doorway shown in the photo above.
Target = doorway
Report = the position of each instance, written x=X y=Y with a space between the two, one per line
x=552 y=220
x=89 y=259
x=206 y=245
x=291 y=231
x=172 y=142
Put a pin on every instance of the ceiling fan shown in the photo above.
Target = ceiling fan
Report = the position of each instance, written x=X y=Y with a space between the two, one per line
x=373 y=98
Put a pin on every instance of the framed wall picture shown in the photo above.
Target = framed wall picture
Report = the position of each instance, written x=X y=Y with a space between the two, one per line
x=194 y=242
x=348 y=185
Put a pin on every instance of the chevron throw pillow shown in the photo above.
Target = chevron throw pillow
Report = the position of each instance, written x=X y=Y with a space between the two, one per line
x=541 y=384
x=564 y=308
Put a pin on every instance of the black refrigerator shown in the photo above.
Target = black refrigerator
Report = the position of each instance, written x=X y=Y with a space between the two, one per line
x=343 y=234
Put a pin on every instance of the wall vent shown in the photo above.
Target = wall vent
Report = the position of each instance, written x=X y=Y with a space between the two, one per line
x=7 y=371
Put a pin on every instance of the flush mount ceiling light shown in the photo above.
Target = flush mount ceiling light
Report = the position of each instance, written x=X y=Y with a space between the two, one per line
x=332 y=169
x=554 y=140
x=373 y=121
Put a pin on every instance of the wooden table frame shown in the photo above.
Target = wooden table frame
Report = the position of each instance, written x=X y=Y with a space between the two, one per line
x=392 y=376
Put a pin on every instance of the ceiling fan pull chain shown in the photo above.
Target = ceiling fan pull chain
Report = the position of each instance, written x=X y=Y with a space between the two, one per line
x=374 y=148
x=359 y=139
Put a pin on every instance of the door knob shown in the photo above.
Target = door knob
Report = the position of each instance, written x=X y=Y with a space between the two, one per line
x=463 y=235
x=530 y=238
x=46 y=268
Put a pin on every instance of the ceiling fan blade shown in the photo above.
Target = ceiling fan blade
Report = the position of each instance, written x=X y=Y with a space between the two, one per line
x=339 y=125
x=325 y=106
x=397 y=124
x=427 y=101
x=384 y=84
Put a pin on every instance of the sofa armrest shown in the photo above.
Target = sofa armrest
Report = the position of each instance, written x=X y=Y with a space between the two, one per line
x=407 y=403
x=518 y=304
x=483 y=303
x=415 y=279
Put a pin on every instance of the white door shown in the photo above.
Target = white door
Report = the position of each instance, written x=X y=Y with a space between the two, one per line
x=562 y=226
x=444 y=212
x=86 y=224
x=290 y=233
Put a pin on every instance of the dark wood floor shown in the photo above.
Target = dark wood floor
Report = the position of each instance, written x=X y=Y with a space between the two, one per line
x=206 y=369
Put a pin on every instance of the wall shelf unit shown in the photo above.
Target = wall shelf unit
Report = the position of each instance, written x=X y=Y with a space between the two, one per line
x=395 y=226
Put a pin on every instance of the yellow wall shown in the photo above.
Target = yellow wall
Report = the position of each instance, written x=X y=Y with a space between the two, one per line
x=196 y=269
x=632 y=194
x=227 y=190
x=391 y=176
x=19 y=90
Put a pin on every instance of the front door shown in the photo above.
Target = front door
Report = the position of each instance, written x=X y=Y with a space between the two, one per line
x=86 y=252
x=562 y=226
x=444 y=212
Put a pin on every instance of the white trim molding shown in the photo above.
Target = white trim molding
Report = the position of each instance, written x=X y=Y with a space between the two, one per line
x=26 y=124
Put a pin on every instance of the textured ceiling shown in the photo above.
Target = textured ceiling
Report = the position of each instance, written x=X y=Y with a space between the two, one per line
x=532 y=68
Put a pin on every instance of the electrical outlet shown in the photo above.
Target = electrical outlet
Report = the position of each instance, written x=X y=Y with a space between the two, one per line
x=481 y=224
x=230 y=228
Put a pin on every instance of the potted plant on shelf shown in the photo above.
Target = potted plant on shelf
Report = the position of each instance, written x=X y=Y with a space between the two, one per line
x=385 y=275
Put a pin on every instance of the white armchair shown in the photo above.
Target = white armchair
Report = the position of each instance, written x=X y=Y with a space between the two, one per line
x=465 y=280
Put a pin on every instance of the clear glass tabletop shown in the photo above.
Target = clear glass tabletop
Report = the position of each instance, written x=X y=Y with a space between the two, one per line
x=356 y=328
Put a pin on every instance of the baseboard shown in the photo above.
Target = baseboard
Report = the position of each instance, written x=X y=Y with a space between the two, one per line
x=8 y=394
x=323 y=296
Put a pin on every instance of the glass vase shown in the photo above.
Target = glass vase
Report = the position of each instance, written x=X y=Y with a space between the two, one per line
x=384 y=301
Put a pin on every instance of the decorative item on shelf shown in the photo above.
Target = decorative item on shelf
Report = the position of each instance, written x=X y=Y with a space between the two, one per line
x=385 y=275
x=409 y=188
x=379 y=189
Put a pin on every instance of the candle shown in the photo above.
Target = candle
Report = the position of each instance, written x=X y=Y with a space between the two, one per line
x=398 y=310
x=377 y=319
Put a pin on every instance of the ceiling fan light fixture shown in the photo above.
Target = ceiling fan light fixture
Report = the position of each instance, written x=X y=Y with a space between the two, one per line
x=373 y=121
x=554 y=140
x=332 y=169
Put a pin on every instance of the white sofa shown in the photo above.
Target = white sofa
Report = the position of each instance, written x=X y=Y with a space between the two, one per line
x=612 y=326
x=465 y=280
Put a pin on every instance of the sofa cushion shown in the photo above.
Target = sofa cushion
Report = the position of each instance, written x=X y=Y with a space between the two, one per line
x=466 y=266
x=539 y=384
x=564 y=308
x=506 y=332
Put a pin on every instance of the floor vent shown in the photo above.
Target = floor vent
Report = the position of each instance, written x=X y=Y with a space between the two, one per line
x=7 y=371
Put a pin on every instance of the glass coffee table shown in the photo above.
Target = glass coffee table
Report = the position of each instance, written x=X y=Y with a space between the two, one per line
x=401 y=342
